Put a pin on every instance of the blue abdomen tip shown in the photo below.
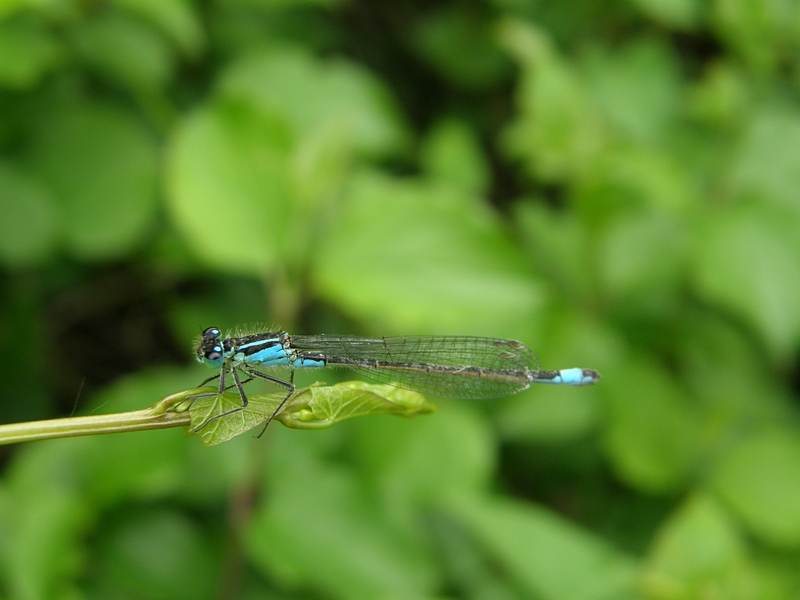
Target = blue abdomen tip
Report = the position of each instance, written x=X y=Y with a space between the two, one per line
x=579 y=376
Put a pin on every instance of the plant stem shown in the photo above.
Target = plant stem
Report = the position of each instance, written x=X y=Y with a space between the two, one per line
x=155 y=417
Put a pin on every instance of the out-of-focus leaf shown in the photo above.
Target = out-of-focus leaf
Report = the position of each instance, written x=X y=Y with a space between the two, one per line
x=639 y=88
x=319 y=166
x=699 y=552
x=420 y=463
x=210 y=473
x=549 y=415
x=125 y=51
x=769 y=163
x=644 y=253
x=728 y=374
x=178 y=18
x=569 y=23
x=680 y=14
x=100 y=163
x=43 y=552
x=47 y=517
x=311 y=408
x=28 y=218
x=720 y=98
x=284 y=4
x=548 y=556
x=457 y=42
x=650 y=433
x=228 y=187
x=8 y=7
x=320 y=530
x=558 y=243
x=452 y=152
x=317 y=95
x=5 y=522
x=634 y=177
x=748 y=258
x=413 y=256
x=760 y=481
x=159 y=555
x=27 y=52
x=756 y=30
x=470 y=572
x=557 y=132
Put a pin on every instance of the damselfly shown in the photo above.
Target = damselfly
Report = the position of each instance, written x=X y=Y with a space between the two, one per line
x=471 y=368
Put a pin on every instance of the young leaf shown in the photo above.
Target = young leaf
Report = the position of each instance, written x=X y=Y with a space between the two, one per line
x=321 y=407
x=315 y=407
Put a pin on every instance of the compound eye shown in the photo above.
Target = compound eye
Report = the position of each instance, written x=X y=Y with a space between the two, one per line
x=214 y=354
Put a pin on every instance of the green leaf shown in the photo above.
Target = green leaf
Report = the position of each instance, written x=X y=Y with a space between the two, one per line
x=760 y=481
x=557 y=131
x=178 y=18
x=643 y=254
x=678 y=14
x=28 y=218
x=43 y=550
x=720 y=98
x=726 y=370
x=8 y=7
x=559 y=244
x=635 y=177
x=309 y=408
x=748 y=258
x=5 y=522
x=319 y=166
x=699 y=552
x=260 y=407
x=27 y=53
x=417 y=464
x=125 y=51
x=756 y=31
x=320 y=530
x=228 y=187
x=101 y=164
x=548 y=556
x=457 y=42
x=47 y=518
x=320 y=407
x=768 y=165
x=452 y=152
x=156 y=554
x=315 y=95
x=423 y=256
x=638 y=88
x=549 y=415
x=288 y=4
x=650 y=431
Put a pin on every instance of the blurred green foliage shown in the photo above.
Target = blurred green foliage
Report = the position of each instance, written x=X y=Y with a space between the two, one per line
x=617 y=184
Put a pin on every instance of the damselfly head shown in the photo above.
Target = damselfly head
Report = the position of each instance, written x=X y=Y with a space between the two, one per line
x=209 y=348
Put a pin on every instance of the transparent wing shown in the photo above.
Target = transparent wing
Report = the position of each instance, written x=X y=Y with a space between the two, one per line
x=446 y=366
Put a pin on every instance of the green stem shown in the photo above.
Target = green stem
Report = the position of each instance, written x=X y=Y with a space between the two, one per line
x=157 y=416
